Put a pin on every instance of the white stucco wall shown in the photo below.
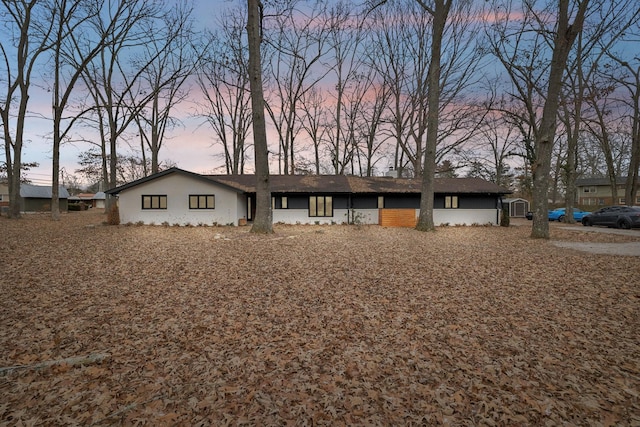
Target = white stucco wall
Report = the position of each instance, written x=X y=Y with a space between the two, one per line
x=177 y=188
x=464 y=216
x=370 y=216
x=301 y=216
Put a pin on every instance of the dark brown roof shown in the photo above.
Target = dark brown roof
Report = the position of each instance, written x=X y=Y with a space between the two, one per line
x=357 y=184
x=334 y=184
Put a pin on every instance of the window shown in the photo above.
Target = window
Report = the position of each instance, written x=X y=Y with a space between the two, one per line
x=154 y=202
x=451 y=202
x=589 y=189
x=320 y=206
x=202 y=201
x=279 y=202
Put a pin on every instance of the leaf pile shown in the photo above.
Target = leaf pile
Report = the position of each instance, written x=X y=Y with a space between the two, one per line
x=314 y=325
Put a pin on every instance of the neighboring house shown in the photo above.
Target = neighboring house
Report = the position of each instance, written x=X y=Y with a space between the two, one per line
x=35 y=198
x=176 y=196
x=597 y=192
x=518 y=208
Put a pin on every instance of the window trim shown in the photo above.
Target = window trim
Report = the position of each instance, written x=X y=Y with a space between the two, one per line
x=159 y=197
x=451 y=202
x=206 y=201
x=313 y=212
x=279 y=202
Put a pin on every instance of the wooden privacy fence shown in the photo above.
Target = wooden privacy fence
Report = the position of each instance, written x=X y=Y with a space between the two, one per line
x=397 y=217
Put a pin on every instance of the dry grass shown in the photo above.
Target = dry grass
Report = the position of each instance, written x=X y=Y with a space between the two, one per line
x=314 y=325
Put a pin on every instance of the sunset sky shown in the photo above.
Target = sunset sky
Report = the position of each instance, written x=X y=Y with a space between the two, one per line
x=189 y=147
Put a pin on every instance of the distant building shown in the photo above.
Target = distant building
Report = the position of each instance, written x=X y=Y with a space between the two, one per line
x=36 y=198
x=597 y=192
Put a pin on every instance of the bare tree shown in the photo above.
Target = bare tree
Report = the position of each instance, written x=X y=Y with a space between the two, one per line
x=297 y=43
x=439 y=10
x=609 y=22
x=175 y=58
x=497 y=143
x=522 y=58
x=224 y=83
x=263 y=221
x=630 y=81
x=115 y=80
x=73 y=47
x=313 y=115
x=345 y=38
x=25 y=38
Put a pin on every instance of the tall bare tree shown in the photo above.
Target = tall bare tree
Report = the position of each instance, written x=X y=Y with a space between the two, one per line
x=564 y=36
x=609 y=22
x=74 y=46
x=115 y=79
x=313 y=117
x=263 y=221
x=439 y=10
x=630 y=81
x=175 y=59
x=224 y=83
x=296 y=44
x=24 y=38
x=523 y=59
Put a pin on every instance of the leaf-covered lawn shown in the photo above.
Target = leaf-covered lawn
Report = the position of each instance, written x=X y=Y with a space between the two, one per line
x=314 y=325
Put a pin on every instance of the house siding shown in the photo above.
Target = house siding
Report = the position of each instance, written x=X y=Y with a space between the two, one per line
x=353 y=200
x=177 y=188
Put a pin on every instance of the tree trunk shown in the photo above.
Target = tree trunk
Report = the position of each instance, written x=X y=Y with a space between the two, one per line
x=564 y=38
x=425 y=220
x=263 y=221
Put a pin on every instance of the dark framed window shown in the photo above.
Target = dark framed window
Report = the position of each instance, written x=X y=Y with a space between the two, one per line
x=202 y=201
x=451 y=202
x=279 y=202
x=154 y=202
x=320 y=206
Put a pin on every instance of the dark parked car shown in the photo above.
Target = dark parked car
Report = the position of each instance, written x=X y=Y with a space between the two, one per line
x=614 y=216
x=529 y=215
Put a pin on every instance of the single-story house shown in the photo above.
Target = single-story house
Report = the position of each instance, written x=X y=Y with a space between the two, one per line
x=89 y=200
x=597 y=192
x=37 y=198
x=518 y=207
x=176 y=196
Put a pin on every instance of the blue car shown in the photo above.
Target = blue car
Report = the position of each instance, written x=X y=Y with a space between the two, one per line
x=559 y=214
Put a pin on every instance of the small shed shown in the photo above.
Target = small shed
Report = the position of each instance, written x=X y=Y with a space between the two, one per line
x=37 y=198
x=518 y=208
x=99 y=200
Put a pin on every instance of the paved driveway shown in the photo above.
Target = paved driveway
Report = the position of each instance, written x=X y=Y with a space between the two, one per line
x=628 y=249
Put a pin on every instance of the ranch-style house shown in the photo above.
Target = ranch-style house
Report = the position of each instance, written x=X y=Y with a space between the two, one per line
x=179 y=197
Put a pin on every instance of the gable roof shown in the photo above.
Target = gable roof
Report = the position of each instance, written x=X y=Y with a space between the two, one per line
x=41 y=192
x=160 y=174
x=334 y=184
